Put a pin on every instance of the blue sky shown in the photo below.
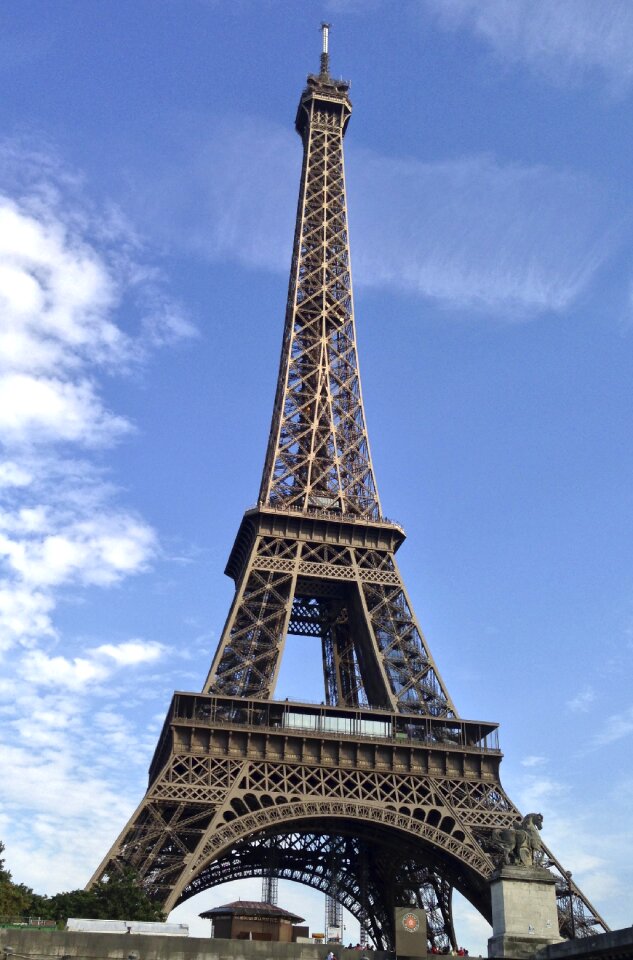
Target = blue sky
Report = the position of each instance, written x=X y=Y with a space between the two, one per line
x=148 y=179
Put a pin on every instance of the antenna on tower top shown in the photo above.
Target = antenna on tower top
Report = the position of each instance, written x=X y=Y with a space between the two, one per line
x=325 y=56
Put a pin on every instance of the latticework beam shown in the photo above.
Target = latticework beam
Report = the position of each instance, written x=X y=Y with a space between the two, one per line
x=318 y=452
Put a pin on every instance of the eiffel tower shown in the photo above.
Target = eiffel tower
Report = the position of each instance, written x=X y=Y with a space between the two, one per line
x=383 y=794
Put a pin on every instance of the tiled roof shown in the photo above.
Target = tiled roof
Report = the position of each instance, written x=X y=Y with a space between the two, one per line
x=249 y=908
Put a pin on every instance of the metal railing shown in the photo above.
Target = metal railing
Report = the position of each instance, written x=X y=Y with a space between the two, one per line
x=276 y=715
x=30 y=922
x=325 y=514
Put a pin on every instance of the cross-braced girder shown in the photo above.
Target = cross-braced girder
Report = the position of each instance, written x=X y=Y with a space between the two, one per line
x=351 y=598
x=318 y=452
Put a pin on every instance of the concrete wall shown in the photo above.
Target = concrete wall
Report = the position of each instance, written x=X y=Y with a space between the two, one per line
x=265 y=928
x=50 y=944
x=615 y=945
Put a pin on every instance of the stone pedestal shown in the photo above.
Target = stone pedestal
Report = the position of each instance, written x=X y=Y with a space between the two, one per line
x=524 y=915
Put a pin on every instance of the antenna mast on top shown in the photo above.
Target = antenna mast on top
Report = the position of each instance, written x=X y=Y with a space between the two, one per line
x=325 y=55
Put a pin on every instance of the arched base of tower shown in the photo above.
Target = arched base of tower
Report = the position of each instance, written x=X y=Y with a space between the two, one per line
x=369 y=872
x=376 y=809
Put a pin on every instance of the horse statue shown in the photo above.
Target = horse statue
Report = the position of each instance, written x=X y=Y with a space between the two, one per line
x=520 y=844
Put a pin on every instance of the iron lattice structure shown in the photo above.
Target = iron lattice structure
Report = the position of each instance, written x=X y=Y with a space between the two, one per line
x=270 y=882
x=382 y=795
x=333 y=920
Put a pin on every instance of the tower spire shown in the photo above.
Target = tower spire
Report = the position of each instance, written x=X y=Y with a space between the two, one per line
x=325 y=53
x=318 y=454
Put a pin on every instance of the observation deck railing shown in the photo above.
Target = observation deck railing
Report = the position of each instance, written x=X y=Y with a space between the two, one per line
x=321 y=514
x=355 y=722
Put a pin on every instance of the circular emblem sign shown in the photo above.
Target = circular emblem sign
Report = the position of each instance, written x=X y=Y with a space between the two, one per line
x=410 y=923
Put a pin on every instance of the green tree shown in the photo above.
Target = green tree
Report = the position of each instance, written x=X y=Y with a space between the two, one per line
x=122 y=898
x=14 y=897
x=40 y=906
x=73 y=903
x=119 y=897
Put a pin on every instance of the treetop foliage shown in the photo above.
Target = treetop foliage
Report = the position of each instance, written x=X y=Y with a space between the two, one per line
x=119 y=897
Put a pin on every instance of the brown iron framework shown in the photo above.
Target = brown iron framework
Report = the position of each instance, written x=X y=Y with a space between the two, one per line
x=382 y=794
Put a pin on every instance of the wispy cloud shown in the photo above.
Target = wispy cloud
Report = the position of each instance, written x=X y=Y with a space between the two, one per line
x=80 y=673
x=599 y=858
x=351 y=6
x=80 y=300
x=564 y=40
x=539 y=789
x=56 y=297
x=471 y=232
x=65 y=270
x=237 y=200
x=533 y=761
x=581 y=703
x=131 y=652
x=615 y=727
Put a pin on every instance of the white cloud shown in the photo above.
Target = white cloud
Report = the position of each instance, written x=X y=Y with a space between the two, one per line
x=41 y=670
x=24 y=614
x=44 y=409
x=14 y=475
x=98 y=551
x=582 y=701
x=63 y=544
x=77 y=302
x=616 y=727
x=473 y=232
x=538 y=790
x=73 y=770
x=598 y=850
x=62 y=531
x=81 y=673
x=515 y=240
x=131 y=652
x=564 y=40
x=65 y=800
x=66 y=270
x=533 y=761
x=56 y=294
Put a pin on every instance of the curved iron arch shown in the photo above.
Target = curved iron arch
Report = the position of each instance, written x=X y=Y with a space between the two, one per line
x=444 y=837
x=421 y=871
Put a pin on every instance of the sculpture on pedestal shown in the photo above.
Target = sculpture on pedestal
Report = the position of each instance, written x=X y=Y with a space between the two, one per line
x=521 y=844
